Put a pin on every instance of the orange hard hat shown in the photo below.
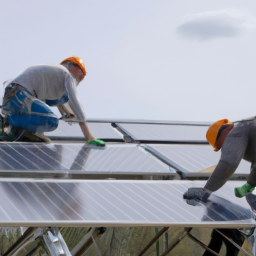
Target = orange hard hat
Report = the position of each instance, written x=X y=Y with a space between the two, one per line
x=213 y=131
x=76 y=61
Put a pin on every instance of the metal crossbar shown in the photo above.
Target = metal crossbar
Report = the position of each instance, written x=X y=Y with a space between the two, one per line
x=235 y=244
x=154 y=239
x=202 y=244
x=177 y=241
x=20 y=241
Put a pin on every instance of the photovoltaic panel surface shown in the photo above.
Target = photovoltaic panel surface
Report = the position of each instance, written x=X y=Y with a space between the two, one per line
x=191 y=158
x=104 y=131
x=79 y=158
x=165 y=132
x=118 y=203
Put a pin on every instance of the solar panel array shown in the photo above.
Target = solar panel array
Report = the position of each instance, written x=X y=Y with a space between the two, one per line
x=72 y=131
x=79 y=158
x=191 y=158
x=165 y=132
x=117 y=203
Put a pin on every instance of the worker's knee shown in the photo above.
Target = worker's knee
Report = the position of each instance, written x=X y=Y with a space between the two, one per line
x=51 y=124
x=34 y=123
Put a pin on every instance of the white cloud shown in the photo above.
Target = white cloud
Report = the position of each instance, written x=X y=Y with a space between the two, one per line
x=216 y=24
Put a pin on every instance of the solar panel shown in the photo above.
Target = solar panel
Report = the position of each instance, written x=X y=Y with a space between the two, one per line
x=165 y=132
x=103 y=131
x=118 y=203
x=191 y=158
x=79 y=158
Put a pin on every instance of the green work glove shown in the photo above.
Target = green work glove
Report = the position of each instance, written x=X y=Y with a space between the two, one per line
x=96 y=142
x=243 y=190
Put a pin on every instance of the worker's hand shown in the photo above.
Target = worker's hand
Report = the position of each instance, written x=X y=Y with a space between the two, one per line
x=96 y=142
x=194 y=195
x=69 y=115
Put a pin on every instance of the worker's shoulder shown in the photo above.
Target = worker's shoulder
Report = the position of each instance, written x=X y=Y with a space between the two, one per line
x=48 y=67
x=247 y=122
x=243 y=126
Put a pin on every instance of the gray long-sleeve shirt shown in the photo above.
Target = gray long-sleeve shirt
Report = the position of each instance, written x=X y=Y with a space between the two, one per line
x=239 y=144
x=51 y=82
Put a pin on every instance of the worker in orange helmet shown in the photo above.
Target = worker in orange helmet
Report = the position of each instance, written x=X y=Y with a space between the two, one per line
x=237 y=141
x=28 y=96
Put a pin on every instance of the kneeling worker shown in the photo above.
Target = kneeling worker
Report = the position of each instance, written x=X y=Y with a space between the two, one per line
x=28 y=96
x=238 y=141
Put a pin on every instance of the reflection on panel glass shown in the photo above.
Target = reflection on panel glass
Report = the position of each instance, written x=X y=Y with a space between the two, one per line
x=99 y=130
x=118 y=203
x=158 y=132
x=223 y=204
x=123 y=159
x=192 y=158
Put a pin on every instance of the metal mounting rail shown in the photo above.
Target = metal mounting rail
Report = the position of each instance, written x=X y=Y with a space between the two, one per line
x=21 y=240
x=141 y=121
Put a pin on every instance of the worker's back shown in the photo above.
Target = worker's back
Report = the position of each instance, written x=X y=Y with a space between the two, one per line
x=246 y=129
x=44 y=81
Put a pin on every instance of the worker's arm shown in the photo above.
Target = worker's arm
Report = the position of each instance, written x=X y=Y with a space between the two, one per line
x=65 y=112
x=74 y=103
x=78 y=113
x=232 y=153
x=87 y=134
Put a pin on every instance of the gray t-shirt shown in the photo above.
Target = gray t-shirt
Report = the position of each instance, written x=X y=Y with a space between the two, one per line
x=51 y=82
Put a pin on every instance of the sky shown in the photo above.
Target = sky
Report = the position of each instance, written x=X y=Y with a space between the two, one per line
x=159 y=60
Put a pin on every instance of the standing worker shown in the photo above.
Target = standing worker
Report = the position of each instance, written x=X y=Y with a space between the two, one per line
x=28 y=96
x=238 y=141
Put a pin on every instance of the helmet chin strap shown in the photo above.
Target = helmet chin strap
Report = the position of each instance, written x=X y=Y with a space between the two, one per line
x=219 y=143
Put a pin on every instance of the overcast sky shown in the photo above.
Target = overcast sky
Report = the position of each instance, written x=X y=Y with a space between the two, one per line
x=162 y=60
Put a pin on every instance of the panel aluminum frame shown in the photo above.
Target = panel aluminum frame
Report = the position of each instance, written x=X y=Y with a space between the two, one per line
x=144 y=121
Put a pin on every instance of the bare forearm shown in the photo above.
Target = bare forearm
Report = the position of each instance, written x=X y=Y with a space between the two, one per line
x=85 y=129
x=64 y=110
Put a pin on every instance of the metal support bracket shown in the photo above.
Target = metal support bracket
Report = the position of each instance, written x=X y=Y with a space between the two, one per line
x=154 y=239
x=87 y=241
x=20 y=242
x=235 y=244
x=51 y=236
x=202 y=244
x=184 y=234
x=95 y=244
x=177 y=241
x=55 y=242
